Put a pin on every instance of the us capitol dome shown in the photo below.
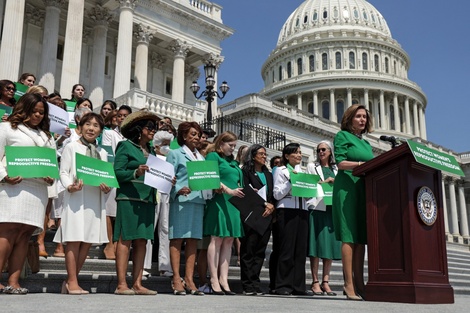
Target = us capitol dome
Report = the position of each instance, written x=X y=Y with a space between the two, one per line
x=331 y=54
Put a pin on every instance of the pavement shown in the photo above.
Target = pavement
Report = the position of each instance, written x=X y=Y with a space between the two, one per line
x=53 y=302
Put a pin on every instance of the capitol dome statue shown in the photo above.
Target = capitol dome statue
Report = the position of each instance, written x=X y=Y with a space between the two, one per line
x=331 y=54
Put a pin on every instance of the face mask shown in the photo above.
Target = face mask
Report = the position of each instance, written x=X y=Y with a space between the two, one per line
x=164 y=150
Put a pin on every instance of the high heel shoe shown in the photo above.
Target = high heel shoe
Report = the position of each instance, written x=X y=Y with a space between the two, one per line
x=227 y=292
x=194 y=292
x=217 y=293
x=72 y=292
x=328 y=293
x=177 y=292
x=317 y=293
x=351 y=297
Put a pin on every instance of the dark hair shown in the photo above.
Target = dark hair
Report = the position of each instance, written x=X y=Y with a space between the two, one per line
x=3 y=84
x=81 y=100
x=59 y=102
x=346 y=121
x=125 y=107
x=108 y=120
x=169 y=118
x=289 y=149
x=135 y=130
x=273 y=159
x=183 y=130
x=26 y=75
x=73 y=89
x=248 y=162
x=24 y=108
x=88 y=117
x=111 y=103
x=54 y=94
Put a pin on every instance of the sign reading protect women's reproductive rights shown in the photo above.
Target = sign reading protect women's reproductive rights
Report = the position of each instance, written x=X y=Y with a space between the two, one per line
x=203 y=175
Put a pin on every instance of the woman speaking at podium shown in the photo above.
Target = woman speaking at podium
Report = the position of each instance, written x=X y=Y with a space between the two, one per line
x=349 y=205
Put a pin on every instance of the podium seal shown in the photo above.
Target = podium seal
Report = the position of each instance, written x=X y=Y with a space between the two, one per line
x=427 y=206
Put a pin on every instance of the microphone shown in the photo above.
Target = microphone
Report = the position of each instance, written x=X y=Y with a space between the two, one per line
x=392 y=140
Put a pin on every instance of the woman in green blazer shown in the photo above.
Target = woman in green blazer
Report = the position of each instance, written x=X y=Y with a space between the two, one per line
x=135 y=200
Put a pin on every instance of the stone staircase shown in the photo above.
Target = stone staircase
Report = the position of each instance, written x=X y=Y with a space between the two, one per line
x=98 y=274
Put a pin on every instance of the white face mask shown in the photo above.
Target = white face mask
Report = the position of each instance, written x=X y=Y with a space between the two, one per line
x=164 y=150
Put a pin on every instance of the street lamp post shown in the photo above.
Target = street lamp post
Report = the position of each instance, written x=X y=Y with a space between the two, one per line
x=209 y=93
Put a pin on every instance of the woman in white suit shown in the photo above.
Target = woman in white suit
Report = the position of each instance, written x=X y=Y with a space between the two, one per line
x=23 y=200
x=322 y=243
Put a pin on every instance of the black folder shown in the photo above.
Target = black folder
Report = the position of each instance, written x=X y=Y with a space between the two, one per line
x=251 y=208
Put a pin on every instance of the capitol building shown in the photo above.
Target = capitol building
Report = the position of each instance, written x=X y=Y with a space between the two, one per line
x=329 y=55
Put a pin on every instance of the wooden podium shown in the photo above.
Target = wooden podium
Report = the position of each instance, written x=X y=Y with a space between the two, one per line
x=407 y=259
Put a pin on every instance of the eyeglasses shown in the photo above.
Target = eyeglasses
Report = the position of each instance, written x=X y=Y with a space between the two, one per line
x=261 y=153
x=321 y=149
x=10 y=88
x=151 y=128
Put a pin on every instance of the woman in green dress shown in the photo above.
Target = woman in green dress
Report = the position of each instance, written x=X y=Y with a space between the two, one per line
x=349 y=204
x=135 y=201
x=322 y=243
x=221 y=219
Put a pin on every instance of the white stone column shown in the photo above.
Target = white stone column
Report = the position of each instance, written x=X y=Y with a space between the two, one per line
x=422 y=122
x=453 y=209
x=72 y=47
x=101 y=17
x=315 y=102
x=34 y=18
x=407 y=116
x=333 y=116
x=122 y=76
x=157 y=61
x=143 y=35
x=299 y=101
x=349 y=97
x=180 y=49
x=366 y=99
x=415 y=118
x=463 y=210
x=50 y=40
x=444 y=206
x=12 y=35
x=383 y=122
x=396 y=113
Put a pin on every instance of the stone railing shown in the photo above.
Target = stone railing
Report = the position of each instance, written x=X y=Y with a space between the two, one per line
x=205 y=7
x=138 y=99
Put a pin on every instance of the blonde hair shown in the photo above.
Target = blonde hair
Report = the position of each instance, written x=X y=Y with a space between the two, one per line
x=38 y=89
x=227 y=136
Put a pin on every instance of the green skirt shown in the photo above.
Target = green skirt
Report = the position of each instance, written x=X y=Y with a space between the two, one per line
x=134 y=220
x=221 y=218
x=322 y=242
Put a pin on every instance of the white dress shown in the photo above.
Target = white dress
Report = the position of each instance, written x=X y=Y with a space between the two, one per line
x=84 y=215
x=111 y=137
x=23 y=203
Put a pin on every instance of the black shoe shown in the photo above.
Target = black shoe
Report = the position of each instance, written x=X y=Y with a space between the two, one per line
x=282 y=293
x=302 y=293
x=260 y=292
x=216 y=293
x=227 y=292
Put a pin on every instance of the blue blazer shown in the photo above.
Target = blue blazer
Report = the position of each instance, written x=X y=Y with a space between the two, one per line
x=178 y=158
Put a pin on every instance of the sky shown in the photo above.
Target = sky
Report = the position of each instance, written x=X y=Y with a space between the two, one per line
x=434 y=33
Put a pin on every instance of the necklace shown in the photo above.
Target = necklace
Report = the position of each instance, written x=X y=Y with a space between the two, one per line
x=357 y=135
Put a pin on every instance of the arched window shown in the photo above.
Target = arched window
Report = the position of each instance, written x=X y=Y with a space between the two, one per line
x=365 y=65
x=299 y=66
x=280 y=73
x=338 y=60
x=311 y=63
x=402 y=123
x=297 y=22
x=352 y=60
x=325 y=14
x=355 y=101
x=289 y=70
x=324 y=61
x=305 y=19
x=273 y=77
x=325 y=109
x=315 y=16
x=339 y=109
x=395 y=67
x=392 y=117
x=310 y=107
x=387 y=67
x=376 y=62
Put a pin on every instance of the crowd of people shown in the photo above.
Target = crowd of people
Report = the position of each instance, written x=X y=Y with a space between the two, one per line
x=206 y=224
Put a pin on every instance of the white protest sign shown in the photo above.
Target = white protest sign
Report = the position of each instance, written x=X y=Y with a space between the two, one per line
x=59 y=119
x=159 y=175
